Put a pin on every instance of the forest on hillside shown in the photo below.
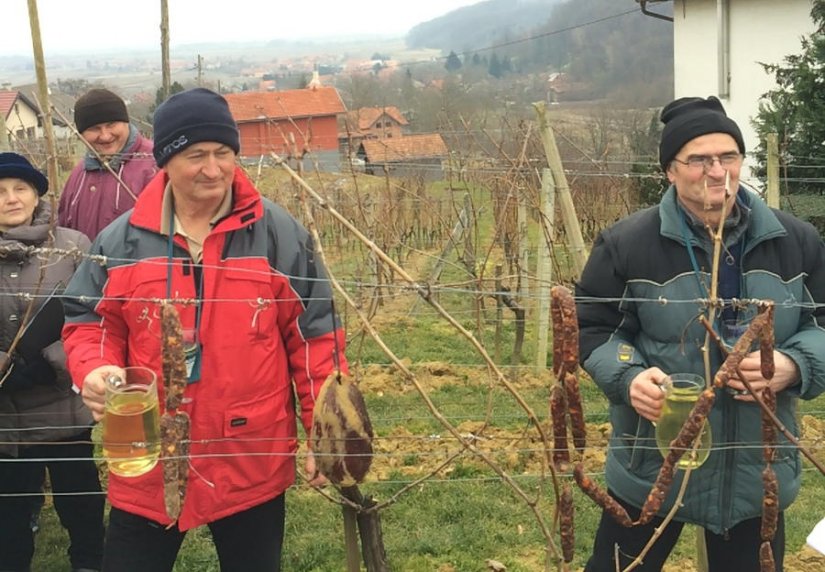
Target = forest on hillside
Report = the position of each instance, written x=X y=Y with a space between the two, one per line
x=608 y=48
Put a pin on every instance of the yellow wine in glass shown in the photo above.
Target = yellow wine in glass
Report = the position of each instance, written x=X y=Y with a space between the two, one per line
x=131 y=424
x=681 y=393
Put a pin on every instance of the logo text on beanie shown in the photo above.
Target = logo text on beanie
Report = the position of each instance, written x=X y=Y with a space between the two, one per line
x=174 y=145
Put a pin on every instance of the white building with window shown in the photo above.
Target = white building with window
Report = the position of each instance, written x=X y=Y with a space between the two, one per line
x=719 y=46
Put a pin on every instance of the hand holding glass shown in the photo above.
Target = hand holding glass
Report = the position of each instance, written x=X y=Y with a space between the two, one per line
x=682 y=390
x=131 y=424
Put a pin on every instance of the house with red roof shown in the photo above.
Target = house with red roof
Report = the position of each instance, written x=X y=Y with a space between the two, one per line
x=19 y=109
x=20 y=114
x=411 y=155
x=376 y=122
x=297 y=123
x=371 y=123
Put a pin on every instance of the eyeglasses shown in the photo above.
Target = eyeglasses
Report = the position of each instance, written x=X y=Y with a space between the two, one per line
x=705 y=162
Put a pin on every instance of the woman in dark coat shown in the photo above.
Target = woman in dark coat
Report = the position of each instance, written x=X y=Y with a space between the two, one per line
x=43 y=422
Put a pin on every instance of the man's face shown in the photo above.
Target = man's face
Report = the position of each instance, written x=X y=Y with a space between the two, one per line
x=201 y=172
x=107 y=138
x=701 y=188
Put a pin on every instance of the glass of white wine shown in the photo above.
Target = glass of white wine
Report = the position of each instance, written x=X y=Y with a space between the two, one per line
x=131 y=422
x=682 y=390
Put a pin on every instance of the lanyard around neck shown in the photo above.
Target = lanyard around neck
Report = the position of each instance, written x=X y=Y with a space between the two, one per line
x=687 y=237
x=170 y=263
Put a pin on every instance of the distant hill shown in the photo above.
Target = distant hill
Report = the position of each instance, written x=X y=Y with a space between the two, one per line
x=606 y=47
x=480 y=25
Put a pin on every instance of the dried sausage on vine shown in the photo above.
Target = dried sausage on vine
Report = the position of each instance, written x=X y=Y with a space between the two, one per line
x=566 y=527
x=678 y=447
x=770 y=504
x=766 y=563
x=766 y=344
x=740 y=350
x=576 y=411
x=174 y=455
x=172 y=354
x=610 y=505
x=768 y=428
x=558 y=336
x=174 y=425
x=567 y=332
x=558 y=416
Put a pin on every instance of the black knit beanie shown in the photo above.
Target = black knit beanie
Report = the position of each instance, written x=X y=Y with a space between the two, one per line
x=690 y=117
x=190 y=117
x=98 y=106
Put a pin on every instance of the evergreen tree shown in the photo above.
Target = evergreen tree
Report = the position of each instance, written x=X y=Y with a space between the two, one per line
x=495 y=67
x=176 y=87
x=648 y=182
x=795 y=111
x=453 y=63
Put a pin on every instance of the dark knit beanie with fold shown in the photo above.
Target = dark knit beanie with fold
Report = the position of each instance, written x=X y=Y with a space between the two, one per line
x=98 y=106
x=190 y=117
x=687 y=118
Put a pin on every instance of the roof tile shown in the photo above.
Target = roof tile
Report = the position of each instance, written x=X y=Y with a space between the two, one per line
x=421 y=146
x=249 y=106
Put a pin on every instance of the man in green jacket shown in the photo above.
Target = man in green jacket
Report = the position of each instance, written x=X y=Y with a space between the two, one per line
x=646 y=283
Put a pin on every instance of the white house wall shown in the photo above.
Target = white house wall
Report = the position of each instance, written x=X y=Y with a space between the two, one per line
x=21 y=120
x=759 y=31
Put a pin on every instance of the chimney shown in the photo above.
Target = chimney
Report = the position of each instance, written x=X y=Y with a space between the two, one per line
x=315 y=82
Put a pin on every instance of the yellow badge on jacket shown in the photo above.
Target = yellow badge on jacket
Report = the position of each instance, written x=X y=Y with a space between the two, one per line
x=625 y=353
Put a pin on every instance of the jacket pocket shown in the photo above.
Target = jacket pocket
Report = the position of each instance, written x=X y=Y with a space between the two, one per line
x=259 y=416
x=259 y=441
x=256 y=309
x=635 y=446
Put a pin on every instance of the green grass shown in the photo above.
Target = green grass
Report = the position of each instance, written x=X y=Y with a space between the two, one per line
x=456 y=520
x=457 y=523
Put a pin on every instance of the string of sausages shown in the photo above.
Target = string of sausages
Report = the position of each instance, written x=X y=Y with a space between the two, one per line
x=761 y=328
x=770 y=500
x=566 y=405
x=174 y=424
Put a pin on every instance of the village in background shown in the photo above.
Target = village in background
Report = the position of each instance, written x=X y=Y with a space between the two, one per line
x=372 y=104
x=444 y=151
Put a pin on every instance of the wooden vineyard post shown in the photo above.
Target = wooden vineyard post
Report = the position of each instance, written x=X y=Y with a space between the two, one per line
x=499 y=315
x=4 y=134
x=351 y=538
x=524 y=251
x=468 y=256
x=43 y=93
x=544 y=272
x=568 y=211
x=369 y=529
x=772 y=145
x=166 y=75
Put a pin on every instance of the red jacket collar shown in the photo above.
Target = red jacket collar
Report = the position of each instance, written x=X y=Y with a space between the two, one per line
x=246 y=203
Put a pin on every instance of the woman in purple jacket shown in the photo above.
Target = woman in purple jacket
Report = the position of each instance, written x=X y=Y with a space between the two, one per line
x=93 y=196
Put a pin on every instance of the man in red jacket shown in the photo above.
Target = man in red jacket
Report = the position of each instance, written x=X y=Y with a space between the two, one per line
x=265 y=334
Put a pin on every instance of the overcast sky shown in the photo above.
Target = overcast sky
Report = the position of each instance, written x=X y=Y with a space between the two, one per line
x=82 y=25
